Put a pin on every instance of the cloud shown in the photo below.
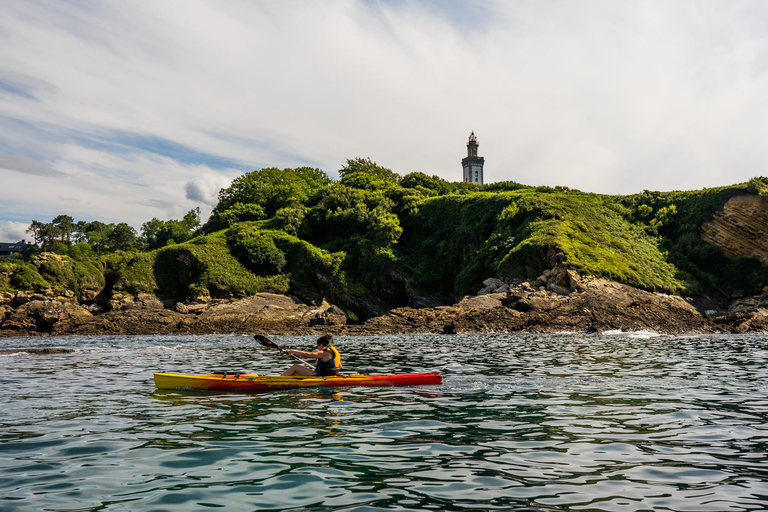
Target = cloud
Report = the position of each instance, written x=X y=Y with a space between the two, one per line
x=205 y=188
x=147 y=109
x=13 y=231
x=26 y=165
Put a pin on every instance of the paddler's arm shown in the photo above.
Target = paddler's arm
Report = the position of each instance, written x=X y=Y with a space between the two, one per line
x=320 y=354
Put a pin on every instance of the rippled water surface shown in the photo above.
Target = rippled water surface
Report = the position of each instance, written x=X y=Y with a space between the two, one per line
x=521 y=422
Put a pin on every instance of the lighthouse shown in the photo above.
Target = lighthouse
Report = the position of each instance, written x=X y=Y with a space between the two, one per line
x=473 y=164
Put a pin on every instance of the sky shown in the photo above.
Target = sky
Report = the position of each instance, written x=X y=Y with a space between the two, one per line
x=126 y=111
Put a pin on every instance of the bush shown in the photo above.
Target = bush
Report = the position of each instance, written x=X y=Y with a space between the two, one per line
x=240 y=212
x=256 y=250
x=290 y=218
x=26 y=277
x=133 y=272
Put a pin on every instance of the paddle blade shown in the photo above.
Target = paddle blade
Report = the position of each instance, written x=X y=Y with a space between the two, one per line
x=266 y=342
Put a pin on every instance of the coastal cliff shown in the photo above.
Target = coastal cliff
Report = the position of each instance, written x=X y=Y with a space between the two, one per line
x=376 y=253
x=740 y=229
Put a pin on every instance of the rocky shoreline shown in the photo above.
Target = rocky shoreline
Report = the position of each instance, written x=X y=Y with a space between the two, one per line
x=560 y=301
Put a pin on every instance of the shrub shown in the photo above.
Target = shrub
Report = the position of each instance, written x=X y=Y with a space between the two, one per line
x=256 y=250
x=26 y=277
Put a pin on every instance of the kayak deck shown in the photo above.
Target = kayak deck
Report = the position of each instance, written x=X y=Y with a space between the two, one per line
x=254 y=382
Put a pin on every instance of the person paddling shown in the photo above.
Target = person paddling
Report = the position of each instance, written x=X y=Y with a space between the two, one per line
x=327 y=359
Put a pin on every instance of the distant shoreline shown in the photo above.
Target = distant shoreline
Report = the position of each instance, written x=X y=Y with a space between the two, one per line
x=597 y=306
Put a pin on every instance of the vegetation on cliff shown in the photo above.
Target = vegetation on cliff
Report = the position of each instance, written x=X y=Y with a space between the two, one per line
x=374 y=240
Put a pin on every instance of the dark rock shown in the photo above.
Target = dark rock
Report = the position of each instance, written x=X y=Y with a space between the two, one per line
x=594 y=306
x=37 y=351
x=327 y=315
x=449 y=329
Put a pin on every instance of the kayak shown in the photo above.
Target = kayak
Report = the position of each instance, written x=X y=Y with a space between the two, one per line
x=232 y=381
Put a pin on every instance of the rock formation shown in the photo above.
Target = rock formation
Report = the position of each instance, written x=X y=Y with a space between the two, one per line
x=741 y=227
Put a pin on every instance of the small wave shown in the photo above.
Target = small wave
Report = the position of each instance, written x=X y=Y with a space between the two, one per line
x=642 y=334
x=166 y=347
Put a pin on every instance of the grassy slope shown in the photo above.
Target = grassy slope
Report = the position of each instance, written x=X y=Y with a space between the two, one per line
x=454 y=242
x=449 y=245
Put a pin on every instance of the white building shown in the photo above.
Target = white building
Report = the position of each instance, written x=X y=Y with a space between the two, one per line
x=473 y=164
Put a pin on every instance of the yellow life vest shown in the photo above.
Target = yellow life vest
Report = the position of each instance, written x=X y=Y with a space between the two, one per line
x=336 y=357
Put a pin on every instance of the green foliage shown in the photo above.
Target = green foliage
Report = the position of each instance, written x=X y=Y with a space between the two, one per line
x=88 y=276
x=121 y=238
x=158 y=233
x=434 y=183
x=758 y=185
x=441 y=240
x=132 y=272
x=272 y=189
x=677 y=217
x=95 y=233
x=63 y=273
x=62 y=232
x=295 y=230
x=346 y=216
x=314 y=273
x=291 y=218
x=600 y=242
x=255 y=250
x=455 y=242
x=364 y=166
x=223 y=275
x=81 y=251
x=439 y=186
x=504 y=186
x=58 y=273
x=207 y=265
x=240 y=212
x=26 y=277
x=7 y=268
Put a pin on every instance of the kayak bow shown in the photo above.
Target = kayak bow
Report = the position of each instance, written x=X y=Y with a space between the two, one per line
x=253 y=382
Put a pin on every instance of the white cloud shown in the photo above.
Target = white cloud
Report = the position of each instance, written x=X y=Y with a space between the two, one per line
x=14 y=231
x=205 y=188
x=148 y=107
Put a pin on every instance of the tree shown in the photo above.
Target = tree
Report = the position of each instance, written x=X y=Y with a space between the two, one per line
x=122 y=237
x=367 y=166
x=273 y=188
x=348 y=215
x=65 y=225
x=150 y=230
x=419 y=179
x=240 y=212
x=96 y=233
x=158 y=233
x=35 y=229
x=48 y=235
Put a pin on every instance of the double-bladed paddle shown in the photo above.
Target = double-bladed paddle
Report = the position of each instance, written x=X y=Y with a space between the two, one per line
x=271 y=344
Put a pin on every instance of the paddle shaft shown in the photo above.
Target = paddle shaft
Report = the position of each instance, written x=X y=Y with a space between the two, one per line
x=298 y=359
x=271 y=344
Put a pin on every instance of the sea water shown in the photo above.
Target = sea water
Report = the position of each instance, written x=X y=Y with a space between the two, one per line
x=613 y=422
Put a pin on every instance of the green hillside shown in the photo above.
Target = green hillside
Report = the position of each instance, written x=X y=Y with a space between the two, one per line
x=373 y=241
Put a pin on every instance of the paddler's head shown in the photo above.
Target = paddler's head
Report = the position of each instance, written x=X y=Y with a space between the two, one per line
x=324 y=341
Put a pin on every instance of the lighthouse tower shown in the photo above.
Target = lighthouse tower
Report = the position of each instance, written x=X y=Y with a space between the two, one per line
x=473 y=164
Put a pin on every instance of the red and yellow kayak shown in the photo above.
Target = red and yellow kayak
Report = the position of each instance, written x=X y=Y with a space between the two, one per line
x=252 y=382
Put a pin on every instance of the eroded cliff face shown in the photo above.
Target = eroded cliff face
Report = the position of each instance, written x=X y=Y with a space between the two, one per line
x=741 y=228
